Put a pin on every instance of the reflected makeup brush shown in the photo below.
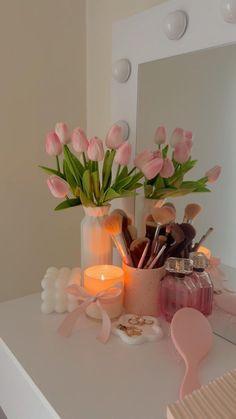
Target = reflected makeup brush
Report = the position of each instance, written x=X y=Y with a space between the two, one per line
x=125 y=226
x=191 y=211
x=189 y=233
x=162 y=216
x=202 y=239
x=113 y=225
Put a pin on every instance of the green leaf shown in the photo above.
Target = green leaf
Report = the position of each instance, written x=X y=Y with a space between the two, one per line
x=202 y=189
x=52 y=172
x=123 y=174
x=110 y=194
x=69 y=203
x=86 y=202
x=87 y=184
x=159 y=183
x=69 y=177
x=76 y=168
x=96 y=184
x=107 y=169
x=123 y=183
x=148 y=190
x=165 y=151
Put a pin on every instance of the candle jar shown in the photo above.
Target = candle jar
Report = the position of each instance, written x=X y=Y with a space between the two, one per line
x=142 y=290
x=100 y=278
x=178 y=288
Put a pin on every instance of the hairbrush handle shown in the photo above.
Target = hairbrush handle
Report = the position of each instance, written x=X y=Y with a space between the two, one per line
x=190 y=381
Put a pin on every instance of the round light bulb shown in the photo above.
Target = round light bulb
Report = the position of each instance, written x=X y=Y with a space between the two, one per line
x=175 y=24
x=228 y=10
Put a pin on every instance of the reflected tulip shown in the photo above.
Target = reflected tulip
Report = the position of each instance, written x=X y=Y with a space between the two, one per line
x=213 y=174
x=160 y=135
x=176 y=137
x=152 y=168
x=142 y=158
x=167 y=169
x=181 y=152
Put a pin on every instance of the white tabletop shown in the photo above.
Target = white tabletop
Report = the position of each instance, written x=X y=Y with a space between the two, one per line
x=84 y=379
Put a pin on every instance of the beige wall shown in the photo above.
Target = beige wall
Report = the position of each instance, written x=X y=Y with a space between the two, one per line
x=42 y=80
x=100 y=16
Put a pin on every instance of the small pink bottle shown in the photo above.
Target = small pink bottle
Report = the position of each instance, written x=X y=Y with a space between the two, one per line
x=178 y=288
x=204 y=282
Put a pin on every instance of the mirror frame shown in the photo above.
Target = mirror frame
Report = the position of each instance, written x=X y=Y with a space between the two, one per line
x=140 y=39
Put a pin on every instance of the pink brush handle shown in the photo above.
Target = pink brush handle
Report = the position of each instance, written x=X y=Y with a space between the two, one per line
x=190 y=380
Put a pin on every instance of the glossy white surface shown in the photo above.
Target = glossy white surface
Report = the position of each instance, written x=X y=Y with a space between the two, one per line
x=175 y=24
x=82 y=378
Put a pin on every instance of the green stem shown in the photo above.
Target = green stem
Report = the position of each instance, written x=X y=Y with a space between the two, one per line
x=58 y=164
x=84 y=159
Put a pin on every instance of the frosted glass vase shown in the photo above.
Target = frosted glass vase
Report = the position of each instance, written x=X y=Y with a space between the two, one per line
x=96 y=245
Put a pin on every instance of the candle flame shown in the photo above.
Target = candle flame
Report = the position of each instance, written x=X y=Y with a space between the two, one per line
x=102 y=277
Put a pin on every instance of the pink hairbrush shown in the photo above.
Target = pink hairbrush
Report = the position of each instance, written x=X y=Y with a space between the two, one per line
x=192 y=336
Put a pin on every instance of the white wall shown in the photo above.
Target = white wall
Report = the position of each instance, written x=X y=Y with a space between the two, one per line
x=100 y=16
x=42 y=80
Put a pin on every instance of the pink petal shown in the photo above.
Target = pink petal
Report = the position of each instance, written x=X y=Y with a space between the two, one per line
x=79 y=141
x=152 y=168
x=160 y=135
x=213 y=174
x=167 y=169
x=95 y=149
x=123 y=154
x=58 y=187
x=52 y=144
x=114 y=137
x=142 y=158
x=181 y=152
x=63 y=133
x=176 y=137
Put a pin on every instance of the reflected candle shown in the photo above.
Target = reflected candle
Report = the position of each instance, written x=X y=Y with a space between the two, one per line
x=99 y=278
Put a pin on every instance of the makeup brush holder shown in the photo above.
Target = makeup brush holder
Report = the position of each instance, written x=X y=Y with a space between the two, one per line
x=142 y=290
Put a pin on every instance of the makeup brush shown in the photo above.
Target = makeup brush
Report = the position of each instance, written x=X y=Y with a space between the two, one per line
x=162 y=248
x=113 y=225
x=170 y=205
x=137 y=248
x=132 y=231
x=202 y=239
x=145 y=251
x=175 y=236
x=162 y=216
x=191 y=211
x=162 y=245
x=125 y=226
x=189 y=233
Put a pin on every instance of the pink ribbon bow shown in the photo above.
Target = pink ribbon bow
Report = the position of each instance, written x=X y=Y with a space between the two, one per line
x=106 y=296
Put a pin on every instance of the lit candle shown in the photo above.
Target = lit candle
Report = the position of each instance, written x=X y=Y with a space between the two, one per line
x=100 y=278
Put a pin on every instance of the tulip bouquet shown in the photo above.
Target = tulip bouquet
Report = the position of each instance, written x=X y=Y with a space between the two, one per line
x=164 y=176
x=89 y=175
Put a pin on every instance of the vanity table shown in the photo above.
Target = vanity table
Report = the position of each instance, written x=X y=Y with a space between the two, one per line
x=45 y=376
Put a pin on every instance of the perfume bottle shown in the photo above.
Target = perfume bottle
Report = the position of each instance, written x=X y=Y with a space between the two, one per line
x=178 y=288
x=203 y=280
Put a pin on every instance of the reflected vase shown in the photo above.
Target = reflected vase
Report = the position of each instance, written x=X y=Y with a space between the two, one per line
x=95 y=242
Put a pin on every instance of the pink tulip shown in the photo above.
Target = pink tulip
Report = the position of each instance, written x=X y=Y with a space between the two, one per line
x=79 y=141
x=114 y=137
x=63 y=133
x=176 y=137
x=95 y=149
x=152 y=168
x=160 y=135
x=142 y=158
x=123 y=154
x=181 y=152
x=52 y=144
x=58 y=187
x=188 y=138
x=213 y=174
x=167 y=169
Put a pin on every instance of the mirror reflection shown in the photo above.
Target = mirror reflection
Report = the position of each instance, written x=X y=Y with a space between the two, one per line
x=197 y=91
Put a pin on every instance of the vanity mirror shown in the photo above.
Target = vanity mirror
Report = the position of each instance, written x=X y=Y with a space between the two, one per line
x=188 y=82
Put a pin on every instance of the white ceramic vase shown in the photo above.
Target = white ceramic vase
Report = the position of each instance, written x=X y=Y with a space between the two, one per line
x=96 y=245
